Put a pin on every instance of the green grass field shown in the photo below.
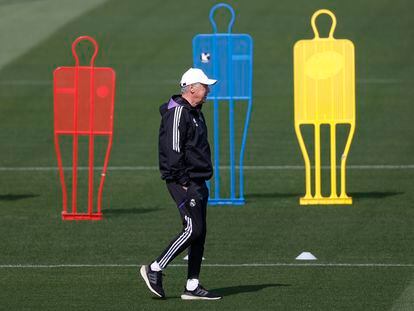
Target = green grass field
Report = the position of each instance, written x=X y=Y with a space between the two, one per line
x=365 y=251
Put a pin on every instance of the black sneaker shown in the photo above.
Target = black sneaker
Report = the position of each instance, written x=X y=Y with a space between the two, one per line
x=153 y=279
x=200 y=293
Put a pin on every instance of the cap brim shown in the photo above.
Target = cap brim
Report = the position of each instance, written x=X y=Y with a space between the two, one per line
x=209 y=82
x=205 y=82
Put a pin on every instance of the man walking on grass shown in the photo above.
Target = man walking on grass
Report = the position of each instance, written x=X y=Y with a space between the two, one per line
x=185 y=165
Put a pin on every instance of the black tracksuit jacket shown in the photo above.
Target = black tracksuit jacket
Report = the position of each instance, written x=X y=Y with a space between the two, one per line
x=184 y=151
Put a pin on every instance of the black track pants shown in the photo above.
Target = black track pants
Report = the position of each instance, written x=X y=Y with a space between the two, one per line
x=192 y=206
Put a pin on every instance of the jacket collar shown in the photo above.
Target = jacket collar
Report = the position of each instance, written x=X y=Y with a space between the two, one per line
x=178 y=100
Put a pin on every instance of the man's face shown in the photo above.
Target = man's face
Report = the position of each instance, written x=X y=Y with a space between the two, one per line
x=200 y=92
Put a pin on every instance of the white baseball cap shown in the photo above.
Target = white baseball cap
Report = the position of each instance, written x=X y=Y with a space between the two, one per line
x=195 y=75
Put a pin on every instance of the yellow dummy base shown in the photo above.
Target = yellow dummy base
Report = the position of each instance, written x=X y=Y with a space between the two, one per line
x=325 y=201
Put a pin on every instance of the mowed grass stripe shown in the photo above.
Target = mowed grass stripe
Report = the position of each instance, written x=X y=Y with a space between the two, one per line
x=26 y=23
x=406 y=301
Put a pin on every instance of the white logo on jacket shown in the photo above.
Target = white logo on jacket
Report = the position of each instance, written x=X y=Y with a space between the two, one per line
x=192 y=203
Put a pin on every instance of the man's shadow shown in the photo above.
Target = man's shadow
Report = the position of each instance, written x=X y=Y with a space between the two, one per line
x=234 y=290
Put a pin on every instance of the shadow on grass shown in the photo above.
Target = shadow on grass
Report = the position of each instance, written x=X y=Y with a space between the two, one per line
x=272 y=195
x=128 y=211
x=373 y=194
x=356 y=195
x=16 y=197
x=234 y=290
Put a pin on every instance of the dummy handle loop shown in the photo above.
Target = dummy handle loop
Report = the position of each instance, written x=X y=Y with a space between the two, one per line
x=76 y=42
x=222 y=5
x=315 y=29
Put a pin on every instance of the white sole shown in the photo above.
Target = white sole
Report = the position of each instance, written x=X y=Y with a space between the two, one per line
x=190 y=297
x=144 y=276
